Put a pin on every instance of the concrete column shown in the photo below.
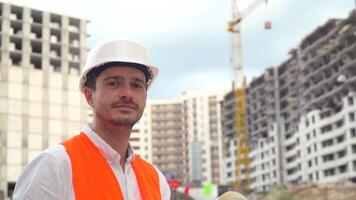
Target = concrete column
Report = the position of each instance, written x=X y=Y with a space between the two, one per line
x=5 y=40
x=82 y=43
x=26 y=52
x=64 y=48
x=45 y=43
x=46 y=75
x=65 y=73
x=26 y=44
x=82 y=54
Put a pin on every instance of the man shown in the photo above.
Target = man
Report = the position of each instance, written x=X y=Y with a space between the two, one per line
x=99 y=163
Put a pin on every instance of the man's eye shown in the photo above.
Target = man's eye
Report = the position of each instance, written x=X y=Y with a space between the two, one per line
x=137 y=85
x=113 y=83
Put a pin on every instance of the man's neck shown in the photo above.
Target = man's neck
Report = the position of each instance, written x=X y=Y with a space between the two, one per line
x=116 y=136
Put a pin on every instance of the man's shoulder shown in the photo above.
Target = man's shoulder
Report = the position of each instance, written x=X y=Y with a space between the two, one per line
x=55 y=153
x=52 y=160
x=56 y=149
x=48 y=176
x=49 y=160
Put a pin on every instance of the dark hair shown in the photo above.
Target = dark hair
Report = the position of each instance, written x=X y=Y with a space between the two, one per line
x=93 y=74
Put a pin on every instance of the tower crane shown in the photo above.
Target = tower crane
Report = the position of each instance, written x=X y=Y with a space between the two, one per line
x=242 y=172
x=234 y=26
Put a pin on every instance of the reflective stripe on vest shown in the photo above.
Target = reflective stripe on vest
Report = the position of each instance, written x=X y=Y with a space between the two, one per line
x=93 y=178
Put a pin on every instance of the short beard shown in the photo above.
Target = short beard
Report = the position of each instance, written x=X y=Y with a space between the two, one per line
x=124 y=122
x=119 y=122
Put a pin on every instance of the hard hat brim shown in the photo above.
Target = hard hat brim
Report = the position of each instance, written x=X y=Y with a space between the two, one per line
x=150 y=72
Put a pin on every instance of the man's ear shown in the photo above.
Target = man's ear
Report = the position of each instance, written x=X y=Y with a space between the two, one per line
x=88 y=93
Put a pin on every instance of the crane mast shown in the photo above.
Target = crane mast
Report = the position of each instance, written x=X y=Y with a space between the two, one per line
x=242 y=161
x=234 y=27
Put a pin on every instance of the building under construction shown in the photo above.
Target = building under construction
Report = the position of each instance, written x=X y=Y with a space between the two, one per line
x=300 y=115
x=234 y=140
x=41 y=54
x=264 y=136
x=323 y=147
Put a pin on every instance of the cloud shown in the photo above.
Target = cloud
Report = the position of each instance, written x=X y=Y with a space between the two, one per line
x=204 y=80
x=291 y=22
x=187 y=39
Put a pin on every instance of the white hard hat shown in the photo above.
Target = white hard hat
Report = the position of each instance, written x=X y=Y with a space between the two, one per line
x=231 y=195
x=122 y=51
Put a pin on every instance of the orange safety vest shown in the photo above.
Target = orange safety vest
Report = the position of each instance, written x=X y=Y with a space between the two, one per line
x=94 y=179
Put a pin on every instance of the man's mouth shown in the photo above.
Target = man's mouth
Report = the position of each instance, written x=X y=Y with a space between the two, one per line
x=126 y=106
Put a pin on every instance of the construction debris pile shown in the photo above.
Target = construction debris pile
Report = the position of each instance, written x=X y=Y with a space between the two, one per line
x=336 y=191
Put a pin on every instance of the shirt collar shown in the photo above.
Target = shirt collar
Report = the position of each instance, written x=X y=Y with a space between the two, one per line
x=109 y=153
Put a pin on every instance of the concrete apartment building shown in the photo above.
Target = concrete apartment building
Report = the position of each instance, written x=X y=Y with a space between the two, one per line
x=183 y=137
x=141 y=136
x=41 y=54
x=289 y=103
x=229 y=143
x=158 y=137
x=234 y=152
x=201 y=119
x=263 y=133
x=263 y=118
x=301 y=114
x=168 y=138
x=323 y=148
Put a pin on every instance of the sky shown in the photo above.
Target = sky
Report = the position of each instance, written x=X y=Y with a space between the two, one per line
x=187 y=39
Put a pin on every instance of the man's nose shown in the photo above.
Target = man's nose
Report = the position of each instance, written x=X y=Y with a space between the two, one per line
x=125 y=91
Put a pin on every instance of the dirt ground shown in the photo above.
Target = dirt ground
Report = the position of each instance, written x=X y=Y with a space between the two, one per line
x=337 y=191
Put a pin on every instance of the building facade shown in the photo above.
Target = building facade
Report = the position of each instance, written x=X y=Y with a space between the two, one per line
x=229 y=143
x=41 y=54
x=300 y=115
x=263 y=119
x=141 y=136
x=321 y=147
x=201 y=119
x=325 y=146
x=158 y=137
x=167 y=138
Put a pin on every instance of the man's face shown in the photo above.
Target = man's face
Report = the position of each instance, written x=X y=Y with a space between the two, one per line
x=119 y=97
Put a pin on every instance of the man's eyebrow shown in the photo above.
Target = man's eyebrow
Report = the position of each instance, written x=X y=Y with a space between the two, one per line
x=139 y=80
x=113 y=77
x=118 y=77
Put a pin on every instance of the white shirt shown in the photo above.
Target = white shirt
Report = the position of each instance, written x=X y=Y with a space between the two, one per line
x=49 y=176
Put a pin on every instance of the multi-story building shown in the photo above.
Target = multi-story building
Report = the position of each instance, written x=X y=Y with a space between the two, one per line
x=323 y=147
x=229 y=143
x=158 y=137
x=289 y=104
x=167 y=138
x=141 y=136
x=263 y=119
x=301 y=114
x=263 y=132
x=41 y=54
x=326 y=146
x=201 y=119
x=235 y=164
